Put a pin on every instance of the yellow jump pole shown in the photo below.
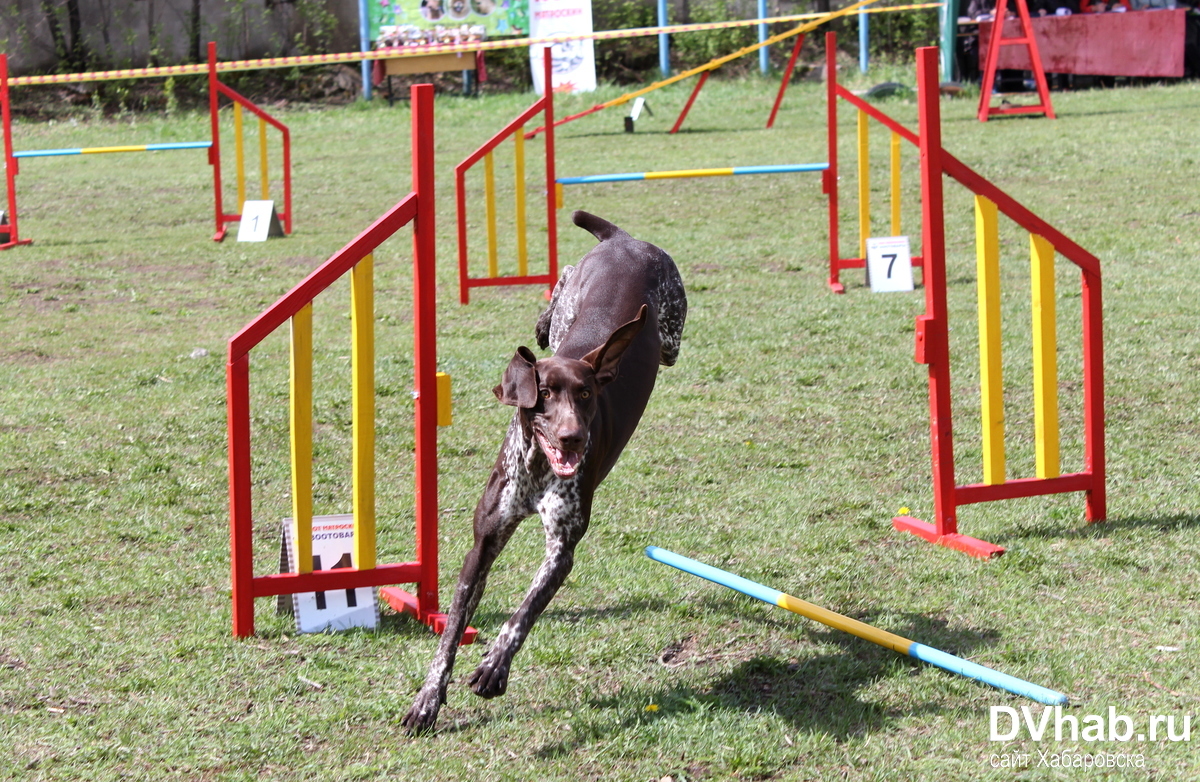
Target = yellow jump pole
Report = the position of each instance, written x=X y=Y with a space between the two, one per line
x=1045 y=359
x=302 y=436
x=991 y=384
x=262 y=159
x=489 y=192
x=444 y=415
x=362 y=369
x=239 y=147
x=864 y=183
x=895 y=184
x=522 y=250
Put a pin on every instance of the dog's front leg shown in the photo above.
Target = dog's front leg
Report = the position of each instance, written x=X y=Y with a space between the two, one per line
x=492 y=531
x=565 y=519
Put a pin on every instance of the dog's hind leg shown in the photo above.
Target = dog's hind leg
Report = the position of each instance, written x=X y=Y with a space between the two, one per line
x=565 y=519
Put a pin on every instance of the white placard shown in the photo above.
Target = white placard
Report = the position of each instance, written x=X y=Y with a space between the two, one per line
x=259 y=221
x=638 y=105
x=337 y=609
x=574 y=62
x=889 y=264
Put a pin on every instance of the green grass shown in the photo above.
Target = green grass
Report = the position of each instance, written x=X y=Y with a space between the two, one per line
x=792 y=429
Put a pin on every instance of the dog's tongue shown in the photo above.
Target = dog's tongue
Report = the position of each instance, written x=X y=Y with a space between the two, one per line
x=564 y=463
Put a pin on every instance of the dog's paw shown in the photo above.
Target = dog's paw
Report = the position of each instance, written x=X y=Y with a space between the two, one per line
x=489 y=680
x=423 y=714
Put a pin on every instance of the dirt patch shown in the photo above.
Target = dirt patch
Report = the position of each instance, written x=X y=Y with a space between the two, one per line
x=26 y=356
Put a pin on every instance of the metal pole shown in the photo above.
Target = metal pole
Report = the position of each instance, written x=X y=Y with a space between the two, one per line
x=664 y=41
x=948 y=20
x=864 y=41
x=764 y=61
x=364 y=45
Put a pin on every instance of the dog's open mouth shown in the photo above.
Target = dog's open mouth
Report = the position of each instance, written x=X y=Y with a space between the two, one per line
x=564 y=463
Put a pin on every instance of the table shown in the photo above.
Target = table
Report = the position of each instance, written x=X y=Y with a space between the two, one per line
x=1135 y=43
x=467 y=62
x=430 y=63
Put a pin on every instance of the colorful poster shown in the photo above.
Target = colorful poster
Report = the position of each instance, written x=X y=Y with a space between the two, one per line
x=574 y=68
x=497 y=17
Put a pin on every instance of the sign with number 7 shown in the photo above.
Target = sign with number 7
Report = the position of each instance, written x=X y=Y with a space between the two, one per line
x=889 y=264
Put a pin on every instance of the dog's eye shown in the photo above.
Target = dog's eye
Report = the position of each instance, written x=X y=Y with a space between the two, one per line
x=545 y=393
x=585 y=394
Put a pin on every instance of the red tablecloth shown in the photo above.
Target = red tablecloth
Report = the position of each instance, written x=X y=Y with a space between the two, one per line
x=1135 y=43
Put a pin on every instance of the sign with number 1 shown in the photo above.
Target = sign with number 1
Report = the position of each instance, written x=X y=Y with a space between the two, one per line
x=889 y=264
x=259 y=220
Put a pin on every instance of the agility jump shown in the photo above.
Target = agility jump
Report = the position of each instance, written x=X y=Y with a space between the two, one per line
x=10 y=234
x=516 y=130
x=933 y=344
x=355 y=259
x=865 y=112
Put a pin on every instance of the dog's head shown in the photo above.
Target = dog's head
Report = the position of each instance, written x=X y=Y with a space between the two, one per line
x=560 y=395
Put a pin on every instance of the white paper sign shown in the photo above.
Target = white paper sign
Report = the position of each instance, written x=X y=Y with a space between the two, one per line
x=889 y=264
x=638 y=105
x=338 y=609
x=574 y=62
x=259 y=221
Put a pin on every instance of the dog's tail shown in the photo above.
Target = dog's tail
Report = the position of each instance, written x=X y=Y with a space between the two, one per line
x=596 y=226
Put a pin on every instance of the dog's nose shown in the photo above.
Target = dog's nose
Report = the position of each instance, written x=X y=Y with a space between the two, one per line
x=572 y=438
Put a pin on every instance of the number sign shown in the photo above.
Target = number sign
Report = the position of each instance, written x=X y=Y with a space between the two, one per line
x=340 y=609
x=259 y=221
x=889 y=264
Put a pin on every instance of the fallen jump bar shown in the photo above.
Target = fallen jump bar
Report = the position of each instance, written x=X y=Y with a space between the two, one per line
x=692 y=172
x=98 y=150
x=865 y=631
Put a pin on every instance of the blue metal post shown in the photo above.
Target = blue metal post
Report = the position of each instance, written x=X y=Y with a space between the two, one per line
x=948 y=22
x=764 y=61
x=364 y=45
x=864 y=40
x=664 y=41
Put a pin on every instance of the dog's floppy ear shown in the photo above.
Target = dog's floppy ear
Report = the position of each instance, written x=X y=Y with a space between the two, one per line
x=605 y=359
x=519 y=386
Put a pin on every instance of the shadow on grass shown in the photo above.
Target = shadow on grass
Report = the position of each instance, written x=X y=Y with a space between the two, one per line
x=559 y=135
x=488 y=622
x=817 y=694
x=1179 y=522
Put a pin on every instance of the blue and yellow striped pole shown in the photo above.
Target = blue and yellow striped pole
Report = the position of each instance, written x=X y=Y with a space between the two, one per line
x=100 y=150
x=637 y=176
x=918 y=651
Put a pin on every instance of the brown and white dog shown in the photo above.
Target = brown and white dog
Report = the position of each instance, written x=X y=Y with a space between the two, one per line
x=611 y=321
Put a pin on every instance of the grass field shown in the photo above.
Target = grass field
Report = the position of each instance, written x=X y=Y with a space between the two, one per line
x=793 y=428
